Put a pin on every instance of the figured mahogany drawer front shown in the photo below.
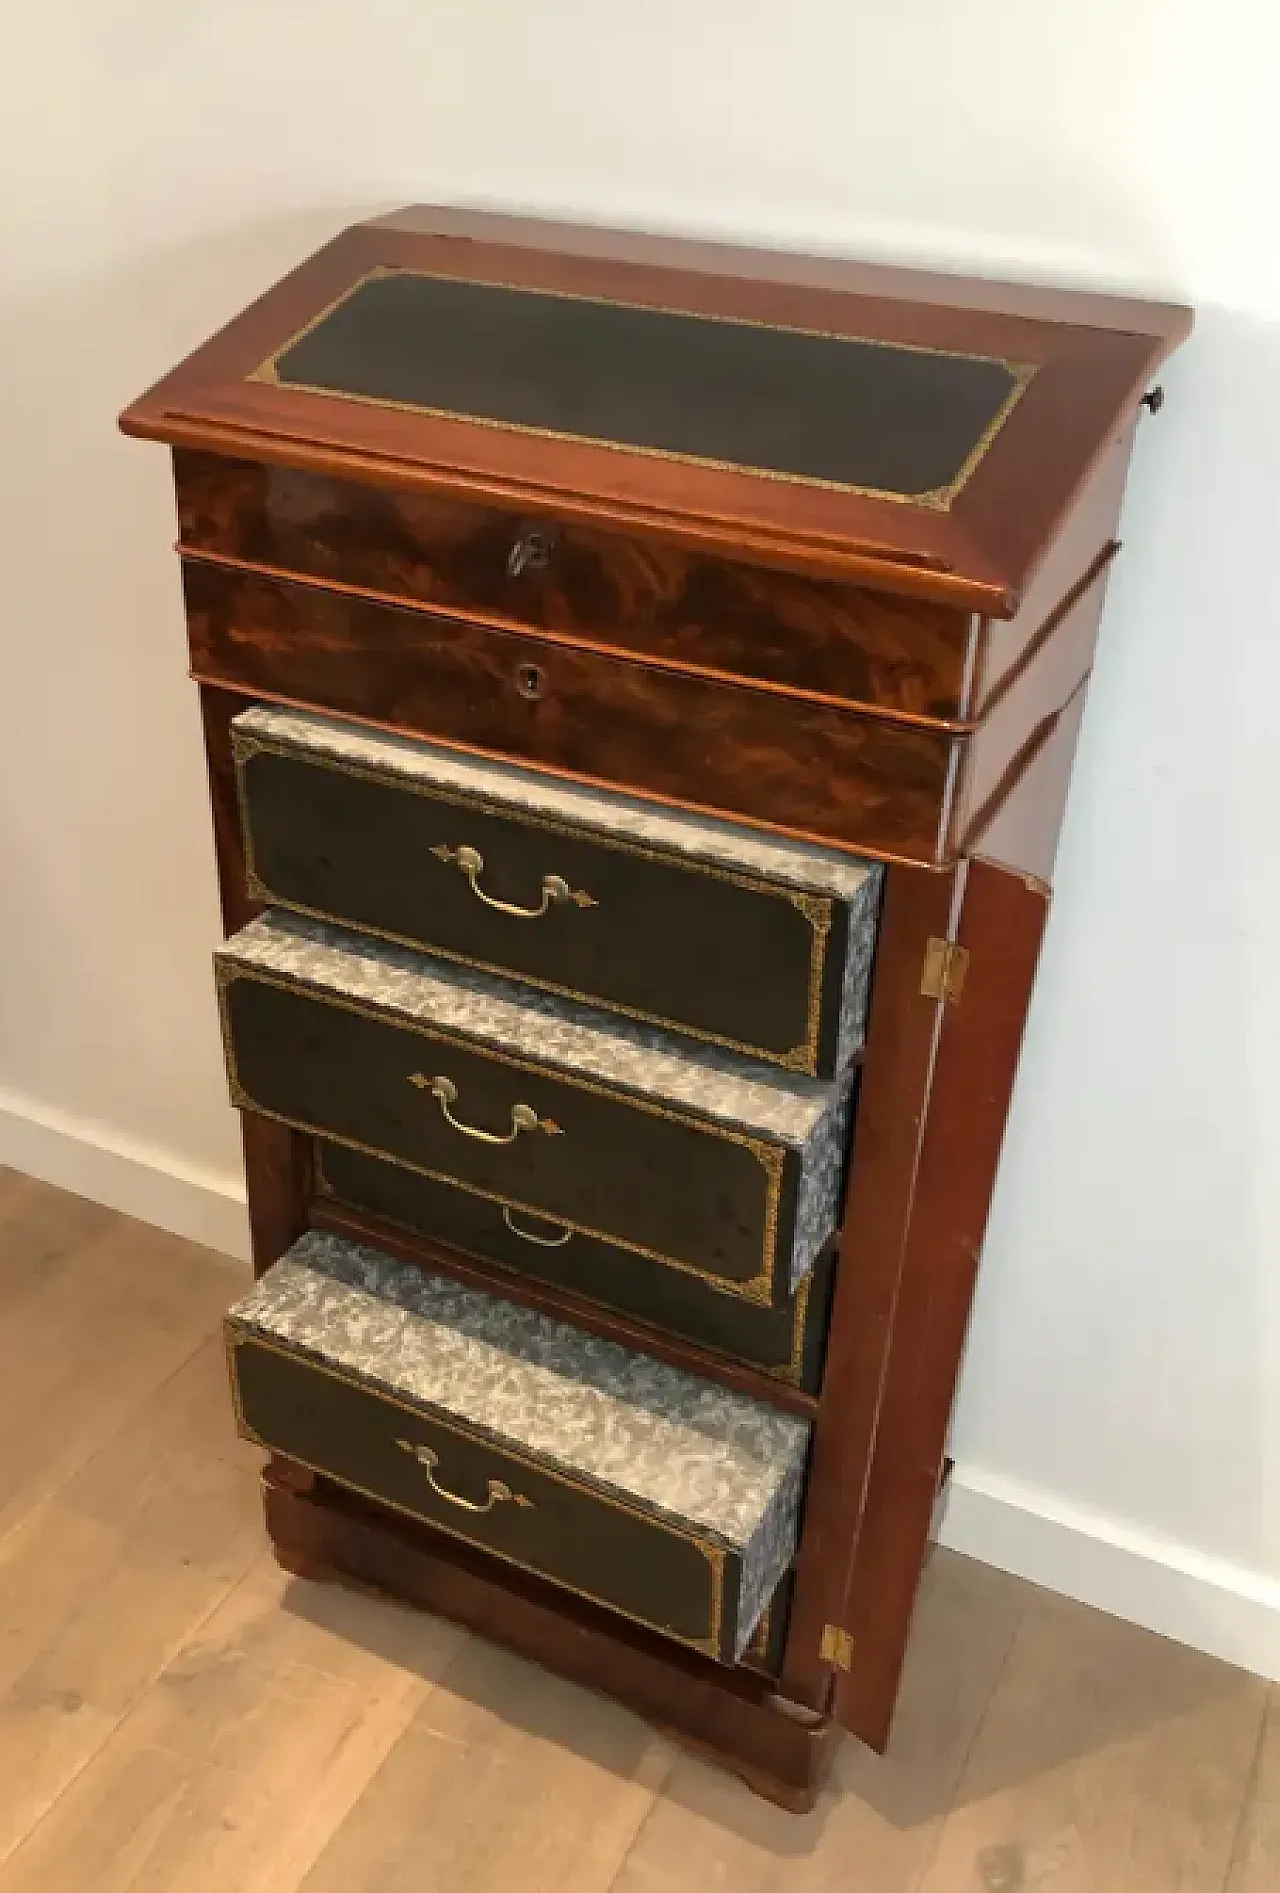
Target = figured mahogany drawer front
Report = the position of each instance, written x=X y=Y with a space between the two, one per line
x=629 y=1482
x=696 y=1162
x=810 y=769
x=711 y=930
x=785 y=1342
x=644 y=595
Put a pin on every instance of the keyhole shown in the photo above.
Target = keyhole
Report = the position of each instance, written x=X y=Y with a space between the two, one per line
x=530 y=681
x=530 y=553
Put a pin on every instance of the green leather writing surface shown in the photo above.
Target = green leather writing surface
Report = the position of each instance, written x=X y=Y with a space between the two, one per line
x=908 y=423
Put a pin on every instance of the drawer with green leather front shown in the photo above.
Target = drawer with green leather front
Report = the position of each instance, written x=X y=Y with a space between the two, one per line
x=638 y=1486
x=700 y=926
x=695 y=1161
x=786 y=1343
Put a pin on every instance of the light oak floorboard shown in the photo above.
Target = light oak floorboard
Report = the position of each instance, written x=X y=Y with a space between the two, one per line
x=84 y=1348
x=1255 y=1867
x=874 y=1828
x=1110 y=1761
x=104 y=1582
x=507 y=1778
x=40 y=1230
x=236 y=1764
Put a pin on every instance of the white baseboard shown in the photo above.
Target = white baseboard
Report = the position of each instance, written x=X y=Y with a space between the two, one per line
x=138 y=1179
x=1226 y=1609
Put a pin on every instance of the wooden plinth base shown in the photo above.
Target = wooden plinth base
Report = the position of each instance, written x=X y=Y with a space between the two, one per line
x=730 y=1716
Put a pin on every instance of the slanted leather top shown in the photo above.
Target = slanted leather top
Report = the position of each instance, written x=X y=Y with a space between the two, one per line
x=925 y=431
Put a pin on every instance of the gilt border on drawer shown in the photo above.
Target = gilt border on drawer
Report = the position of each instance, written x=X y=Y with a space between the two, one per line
x=936 y=499
x=713 y=1553
x=790 y=1372
x=816 y=908
x=770 y=1157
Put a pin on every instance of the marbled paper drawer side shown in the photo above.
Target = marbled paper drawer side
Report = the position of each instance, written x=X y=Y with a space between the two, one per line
x=694 y=1160
x=626 y=1481
x=767 y=1649
x=787 y=1343
x=681 y=921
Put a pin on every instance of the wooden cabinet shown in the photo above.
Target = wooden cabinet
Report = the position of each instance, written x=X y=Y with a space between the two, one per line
x=684 y=647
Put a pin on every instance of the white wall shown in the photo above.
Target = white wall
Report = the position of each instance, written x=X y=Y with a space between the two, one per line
x=1119 y=1431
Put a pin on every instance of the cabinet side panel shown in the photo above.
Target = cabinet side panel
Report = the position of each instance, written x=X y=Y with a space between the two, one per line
x=1035 y=671
x=1002 y=919
x=1089 y=532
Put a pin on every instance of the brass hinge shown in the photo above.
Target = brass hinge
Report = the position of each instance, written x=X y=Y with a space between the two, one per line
x=945 y=965
x=836 y=1647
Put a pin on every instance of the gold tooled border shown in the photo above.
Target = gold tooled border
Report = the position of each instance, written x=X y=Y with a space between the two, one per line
x=934 y=499
x=771 y=1157
x=817 y=909
x=756 y=1654
x=715 y=1554
x=791 y=1371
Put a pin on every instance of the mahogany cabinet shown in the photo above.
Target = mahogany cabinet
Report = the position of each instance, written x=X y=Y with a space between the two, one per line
x=640 y=681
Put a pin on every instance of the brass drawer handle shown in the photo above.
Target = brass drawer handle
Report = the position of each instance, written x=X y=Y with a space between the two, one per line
x=523 y=1116
x=499 y=1490
x=525 y=1235
x=554 y=886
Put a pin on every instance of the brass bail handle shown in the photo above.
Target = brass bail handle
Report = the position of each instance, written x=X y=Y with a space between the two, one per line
x=528 y=1235
x=499 y=1490
x=445 y=1093
x=554 y=886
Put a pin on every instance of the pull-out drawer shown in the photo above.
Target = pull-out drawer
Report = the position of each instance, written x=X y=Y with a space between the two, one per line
x=696 y=925
x=629 y=591
x=629 y=1482
x=818 y=770
x=697 y=1162
x=787 y=1343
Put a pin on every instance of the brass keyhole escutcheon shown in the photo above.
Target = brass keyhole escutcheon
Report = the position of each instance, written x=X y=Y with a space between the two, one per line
x=530 y=553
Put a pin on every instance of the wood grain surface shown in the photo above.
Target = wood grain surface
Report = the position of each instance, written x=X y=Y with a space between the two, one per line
x=979 y=553
x=804 y=768
x=1000 y=924
x=641 y=594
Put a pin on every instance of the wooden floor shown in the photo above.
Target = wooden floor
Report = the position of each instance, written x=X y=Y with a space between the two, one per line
x=178 y=1717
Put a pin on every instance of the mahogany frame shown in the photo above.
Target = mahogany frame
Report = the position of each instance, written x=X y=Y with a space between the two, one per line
x=1028 y=547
